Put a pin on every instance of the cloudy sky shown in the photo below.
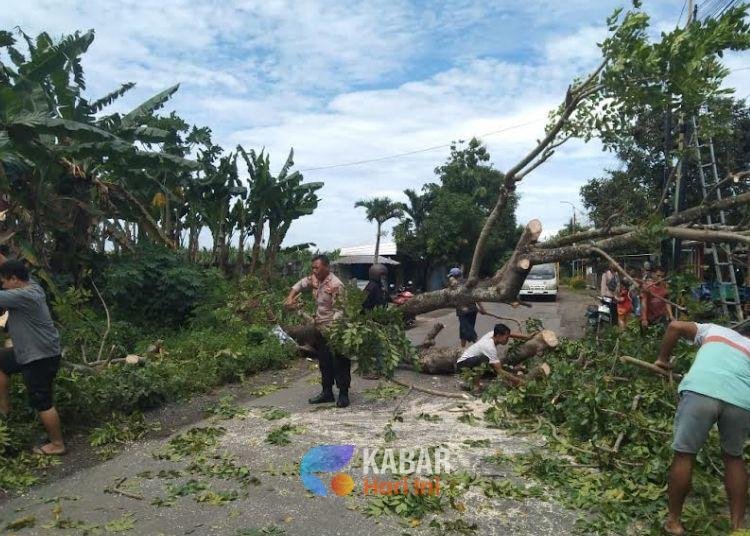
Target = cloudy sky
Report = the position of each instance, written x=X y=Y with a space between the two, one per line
x=343 y=82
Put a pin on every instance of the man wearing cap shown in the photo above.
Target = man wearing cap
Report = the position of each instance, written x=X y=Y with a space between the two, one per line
x=467 y=314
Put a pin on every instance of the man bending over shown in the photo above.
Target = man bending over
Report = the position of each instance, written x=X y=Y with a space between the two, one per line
x=485 y=351
x=715 y=390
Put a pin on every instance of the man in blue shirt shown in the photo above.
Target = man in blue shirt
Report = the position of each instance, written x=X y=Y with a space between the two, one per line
x=716 y=390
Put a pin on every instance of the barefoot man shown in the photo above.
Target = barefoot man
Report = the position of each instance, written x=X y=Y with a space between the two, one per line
x=36 y=349
x=715 y=390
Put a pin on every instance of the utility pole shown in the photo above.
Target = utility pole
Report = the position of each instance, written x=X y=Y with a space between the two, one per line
x=680 y=172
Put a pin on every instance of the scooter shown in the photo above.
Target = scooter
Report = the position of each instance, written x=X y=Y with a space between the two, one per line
x=401 y=298
x=598 y=315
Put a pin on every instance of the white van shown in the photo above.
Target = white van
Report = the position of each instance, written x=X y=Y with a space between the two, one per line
x=541 y=281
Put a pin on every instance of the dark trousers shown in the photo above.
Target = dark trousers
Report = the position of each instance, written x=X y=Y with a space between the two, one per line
x=333 y=367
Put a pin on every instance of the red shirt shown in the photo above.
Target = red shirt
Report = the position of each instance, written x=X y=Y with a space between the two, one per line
x=656 y=308
x=624 y=303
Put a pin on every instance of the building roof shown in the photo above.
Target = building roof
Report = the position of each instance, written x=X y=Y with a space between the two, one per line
x=363 y=259
x=386 y=248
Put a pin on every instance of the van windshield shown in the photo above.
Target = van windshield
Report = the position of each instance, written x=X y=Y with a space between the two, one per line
x=542 y=271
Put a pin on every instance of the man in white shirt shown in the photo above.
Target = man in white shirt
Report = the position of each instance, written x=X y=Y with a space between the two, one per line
x=485 y=351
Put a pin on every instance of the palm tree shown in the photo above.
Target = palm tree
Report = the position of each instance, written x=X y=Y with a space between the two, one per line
x=380 y=210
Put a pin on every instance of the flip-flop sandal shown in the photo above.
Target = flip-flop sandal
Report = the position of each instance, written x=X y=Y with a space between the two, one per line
x=672 y=532
x=39 y=450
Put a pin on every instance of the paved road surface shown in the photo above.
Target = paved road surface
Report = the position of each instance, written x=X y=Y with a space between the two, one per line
x=278 y=501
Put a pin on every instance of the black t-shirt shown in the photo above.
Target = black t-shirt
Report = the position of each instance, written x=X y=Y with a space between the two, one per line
x=374 y=296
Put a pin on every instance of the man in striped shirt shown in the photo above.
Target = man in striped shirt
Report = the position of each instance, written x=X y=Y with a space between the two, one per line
x=716 y=390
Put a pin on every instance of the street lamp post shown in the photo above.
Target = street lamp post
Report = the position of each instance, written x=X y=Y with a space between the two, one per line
x=572 y=230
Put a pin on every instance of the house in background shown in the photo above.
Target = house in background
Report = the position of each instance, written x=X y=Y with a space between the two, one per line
x=354 y=262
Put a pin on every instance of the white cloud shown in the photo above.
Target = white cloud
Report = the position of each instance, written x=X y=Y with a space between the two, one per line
x=342 y=82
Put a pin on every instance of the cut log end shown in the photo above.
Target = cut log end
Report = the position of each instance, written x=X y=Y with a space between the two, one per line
x=550 y=338
x=524 y=264
x=535 y=229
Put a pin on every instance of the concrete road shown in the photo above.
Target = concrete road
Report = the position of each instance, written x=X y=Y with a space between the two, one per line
x=565 y=316
x=139 y=492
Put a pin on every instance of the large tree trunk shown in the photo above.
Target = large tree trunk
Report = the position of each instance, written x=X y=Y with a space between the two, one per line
x=443 y=360
x=502 y=287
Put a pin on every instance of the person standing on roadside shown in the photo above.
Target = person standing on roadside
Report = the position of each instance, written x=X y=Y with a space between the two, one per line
x=35 y=353
x=326 y=290
x=655 y=308
x=467 y=314
x=375 y=296
x=608 y=289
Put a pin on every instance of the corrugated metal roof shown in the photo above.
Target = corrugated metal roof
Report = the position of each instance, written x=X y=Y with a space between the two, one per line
x=386 y=248
x=363 y=259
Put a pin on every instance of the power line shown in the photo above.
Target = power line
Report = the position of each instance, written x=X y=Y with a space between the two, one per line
x=434 y=147
x=417 y=151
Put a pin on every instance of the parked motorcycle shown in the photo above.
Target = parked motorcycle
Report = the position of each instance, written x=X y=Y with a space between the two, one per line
x=401 y=298
x=600 y=315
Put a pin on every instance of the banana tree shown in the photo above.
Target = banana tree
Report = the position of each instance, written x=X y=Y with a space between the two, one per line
x=63 y=169
x=294 y=200
x=263 y=193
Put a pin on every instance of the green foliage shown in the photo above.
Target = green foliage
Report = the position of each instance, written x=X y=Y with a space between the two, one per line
x=156 y=286
x=120 y=429
x=375 y=339
x=226 y=409
x=122 y=524
x=191 y=443
x=443 y=223
x=410 y=505
x=274 y=414
x=576 y=282
x=281 y=436
x=583 y=409
x=384 y=391
x=24 y=522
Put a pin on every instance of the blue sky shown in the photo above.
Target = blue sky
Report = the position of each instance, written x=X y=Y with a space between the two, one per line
x=344 y=81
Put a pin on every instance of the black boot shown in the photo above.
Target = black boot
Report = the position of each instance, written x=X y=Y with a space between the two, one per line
x=326 y=395
x=343 y=400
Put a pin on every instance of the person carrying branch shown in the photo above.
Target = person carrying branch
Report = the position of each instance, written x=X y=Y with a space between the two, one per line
x=36 y=349
x=716 y=390
x=326 y=289
x=484 y=351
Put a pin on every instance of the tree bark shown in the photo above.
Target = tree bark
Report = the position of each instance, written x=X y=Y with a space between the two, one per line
x=502 y=287
x=257 y=238
x=377 y=244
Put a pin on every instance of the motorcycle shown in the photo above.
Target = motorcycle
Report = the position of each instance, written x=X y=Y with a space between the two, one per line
x=600 y=315
x=403 y=296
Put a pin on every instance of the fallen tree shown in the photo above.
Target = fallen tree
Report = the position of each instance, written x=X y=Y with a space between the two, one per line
x=602 y=105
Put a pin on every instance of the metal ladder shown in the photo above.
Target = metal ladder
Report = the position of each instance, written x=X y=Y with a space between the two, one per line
x=721 y=253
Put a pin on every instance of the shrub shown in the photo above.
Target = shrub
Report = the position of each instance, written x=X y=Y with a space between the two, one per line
x=158 y=286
